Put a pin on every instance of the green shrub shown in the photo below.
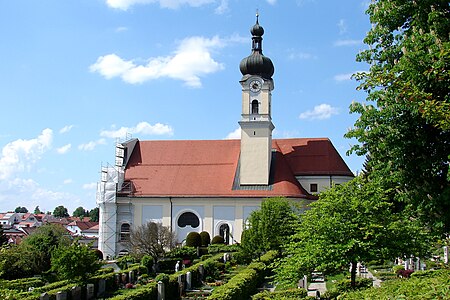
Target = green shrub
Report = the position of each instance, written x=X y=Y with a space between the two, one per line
x=361 y=283
x=245 y=283
x=435 y=285
x=147 y=261
x=397 y=268
x=124 y=261
x=218 y=240
x=184 y=252
x=148 y=291
x=205 y=238
x=221 y=247
x=193 y=239
x=22 y=284
x=290 y=294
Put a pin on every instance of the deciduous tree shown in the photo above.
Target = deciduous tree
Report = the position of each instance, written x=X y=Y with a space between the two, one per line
x=152 y=239
x=43 y=242
x=349 y=223
x=80 y=212
x=94 y=214
x=405 y=126
x=20 y=209
x=270 y=226
x=60 y=212
x=75 y=262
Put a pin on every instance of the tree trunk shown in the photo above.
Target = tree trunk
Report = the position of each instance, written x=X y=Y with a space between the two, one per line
x=353 y=274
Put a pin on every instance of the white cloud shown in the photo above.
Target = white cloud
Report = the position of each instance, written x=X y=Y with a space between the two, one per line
x=121 y=29
x=143 y=128
x=66 y=128
x=345 y=76
x=89 y=186
x=172 y=4
x=28 y=193
x=294 y=55
x=348 y=42
x=222 y=8
x=342 y=25
x=234 y=135
x=91 y=145
x=320 y=112
x=20 y=154
x=188 y=63
x=67 y=181
x=64 y=149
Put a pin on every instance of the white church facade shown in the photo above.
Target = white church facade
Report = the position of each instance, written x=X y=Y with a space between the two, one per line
x=214 y=185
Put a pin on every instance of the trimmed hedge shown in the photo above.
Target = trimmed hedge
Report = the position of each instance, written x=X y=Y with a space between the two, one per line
x=150 y=290
x=431 y=285
x=22 y=284
x=291 y=294
x=245 y=283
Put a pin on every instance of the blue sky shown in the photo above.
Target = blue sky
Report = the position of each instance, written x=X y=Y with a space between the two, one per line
x=78 y=75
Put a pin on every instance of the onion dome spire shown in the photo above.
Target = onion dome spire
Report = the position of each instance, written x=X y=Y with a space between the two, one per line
x=256 y=63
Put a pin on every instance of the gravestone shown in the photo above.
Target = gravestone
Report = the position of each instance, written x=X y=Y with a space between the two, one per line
x=446 y=253
x=61 y=295
x=189 y=281
x=303 y=283
x=201 y=271
x=131 y=276
x=406 y=265
x=101 y=287
x=44 y=296
x=76 y=293
x=181 y=284
x=161 y=290
x=89 y=291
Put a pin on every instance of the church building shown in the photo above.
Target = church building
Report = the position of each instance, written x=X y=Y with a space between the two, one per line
x=214 y=185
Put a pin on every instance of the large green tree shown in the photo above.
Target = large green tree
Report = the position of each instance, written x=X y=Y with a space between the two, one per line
x=21 y=209
x=75 y=262
x=350 y=223
x=60 y=212
x=80 y=212
x=270 y=226
x=94 y=214
x=42 y=242
x=405 y=126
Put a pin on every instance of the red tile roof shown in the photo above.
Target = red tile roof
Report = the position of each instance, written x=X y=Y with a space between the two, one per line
x=207 y=168
x=83 y=225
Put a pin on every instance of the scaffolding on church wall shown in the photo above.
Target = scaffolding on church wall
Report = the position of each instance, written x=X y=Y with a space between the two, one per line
x=111 y=182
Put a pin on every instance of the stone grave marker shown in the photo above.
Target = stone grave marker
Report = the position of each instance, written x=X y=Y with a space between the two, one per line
x=89 y=291
x=161 y=291
x=101 y=287
x=76 y=293
x=61 y=295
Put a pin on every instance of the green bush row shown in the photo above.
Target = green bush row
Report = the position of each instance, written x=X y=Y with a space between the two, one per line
x=22 y=284
x=150 y=290
x=429 y=285
x=245 y=283
x=291 y=294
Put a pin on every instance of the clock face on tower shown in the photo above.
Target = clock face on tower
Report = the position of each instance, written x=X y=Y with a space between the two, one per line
x=255 y=86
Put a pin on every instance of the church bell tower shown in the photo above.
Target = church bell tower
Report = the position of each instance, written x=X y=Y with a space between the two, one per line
x=256 y=121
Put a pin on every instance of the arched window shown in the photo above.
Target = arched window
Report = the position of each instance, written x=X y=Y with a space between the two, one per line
x=224 y=231
x=188 y=218
x=124 y=232
x=255 y=108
